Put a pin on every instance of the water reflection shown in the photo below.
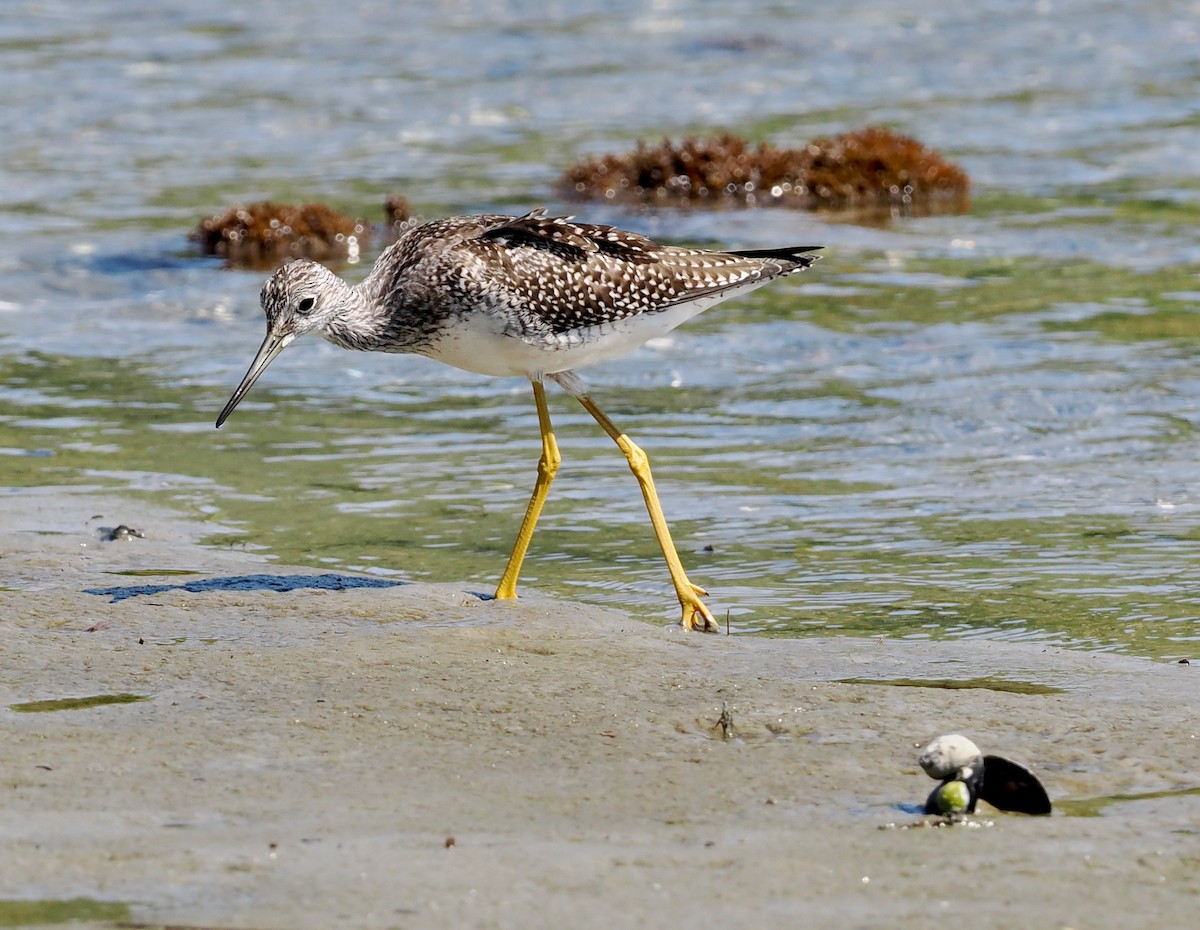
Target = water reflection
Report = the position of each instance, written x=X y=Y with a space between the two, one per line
x=256 y=582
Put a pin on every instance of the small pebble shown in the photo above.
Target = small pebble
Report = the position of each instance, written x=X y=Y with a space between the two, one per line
x=947 y=754
x=124 y=532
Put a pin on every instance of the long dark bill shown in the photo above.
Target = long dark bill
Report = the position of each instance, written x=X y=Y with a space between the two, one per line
x=271 y=347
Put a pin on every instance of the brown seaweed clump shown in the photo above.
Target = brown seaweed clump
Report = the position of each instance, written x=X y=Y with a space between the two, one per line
x=396 y=216
x=263 y=234
x=866 y=169
x=396 y=209
x=876 y=166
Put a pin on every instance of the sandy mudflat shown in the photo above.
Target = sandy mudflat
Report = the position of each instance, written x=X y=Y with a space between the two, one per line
x=305 y=754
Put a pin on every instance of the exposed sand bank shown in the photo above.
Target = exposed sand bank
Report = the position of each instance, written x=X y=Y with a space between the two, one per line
x=304 y=756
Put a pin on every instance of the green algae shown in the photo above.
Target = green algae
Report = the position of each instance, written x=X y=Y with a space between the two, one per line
x=77 y=703
x=989 y=683
x=35 y=912
x=1096 y=807
x=153 y=572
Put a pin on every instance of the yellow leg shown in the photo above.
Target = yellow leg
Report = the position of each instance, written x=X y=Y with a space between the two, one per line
x=696 y=616
x=547 y=469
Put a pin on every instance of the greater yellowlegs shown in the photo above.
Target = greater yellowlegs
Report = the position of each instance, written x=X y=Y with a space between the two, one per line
x=533 y=296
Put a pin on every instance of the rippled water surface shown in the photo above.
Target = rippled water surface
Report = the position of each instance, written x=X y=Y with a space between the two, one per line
x=976 y=425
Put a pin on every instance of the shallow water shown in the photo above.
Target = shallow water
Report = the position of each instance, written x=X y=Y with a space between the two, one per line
x=966 y=426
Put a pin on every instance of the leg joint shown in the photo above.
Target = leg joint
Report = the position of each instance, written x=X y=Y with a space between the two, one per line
x=550 y=462
x=638 y=460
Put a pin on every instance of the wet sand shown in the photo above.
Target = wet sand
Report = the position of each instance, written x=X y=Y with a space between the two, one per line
x=414 y=756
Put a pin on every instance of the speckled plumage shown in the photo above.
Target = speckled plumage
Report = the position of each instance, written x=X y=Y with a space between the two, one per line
x=521 y=295
x=528 y=295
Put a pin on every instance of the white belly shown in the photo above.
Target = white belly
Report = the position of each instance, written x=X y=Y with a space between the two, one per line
x=483 y=347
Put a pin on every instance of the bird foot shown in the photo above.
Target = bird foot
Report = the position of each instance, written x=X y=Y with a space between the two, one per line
x=696 y=615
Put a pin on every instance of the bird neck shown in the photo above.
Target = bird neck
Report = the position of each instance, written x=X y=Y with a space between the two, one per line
x=356 y=325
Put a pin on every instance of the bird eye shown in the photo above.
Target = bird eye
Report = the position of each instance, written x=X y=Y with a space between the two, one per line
x=304 y=307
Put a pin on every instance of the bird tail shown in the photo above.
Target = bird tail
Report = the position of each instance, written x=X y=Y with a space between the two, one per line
x=790 y=260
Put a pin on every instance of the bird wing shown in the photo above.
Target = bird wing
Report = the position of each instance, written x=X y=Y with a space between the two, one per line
x=568 y=274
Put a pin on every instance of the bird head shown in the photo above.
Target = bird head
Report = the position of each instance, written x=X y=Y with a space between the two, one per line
x=299 y=298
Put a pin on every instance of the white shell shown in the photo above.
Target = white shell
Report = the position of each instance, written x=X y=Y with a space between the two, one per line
x=947 y=755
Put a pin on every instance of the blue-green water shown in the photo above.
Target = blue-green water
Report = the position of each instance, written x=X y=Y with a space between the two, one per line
x=976 y=425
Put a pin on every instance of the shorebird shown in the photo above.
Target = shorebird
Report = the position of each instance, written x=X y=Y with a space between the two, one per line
x=533 y=296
